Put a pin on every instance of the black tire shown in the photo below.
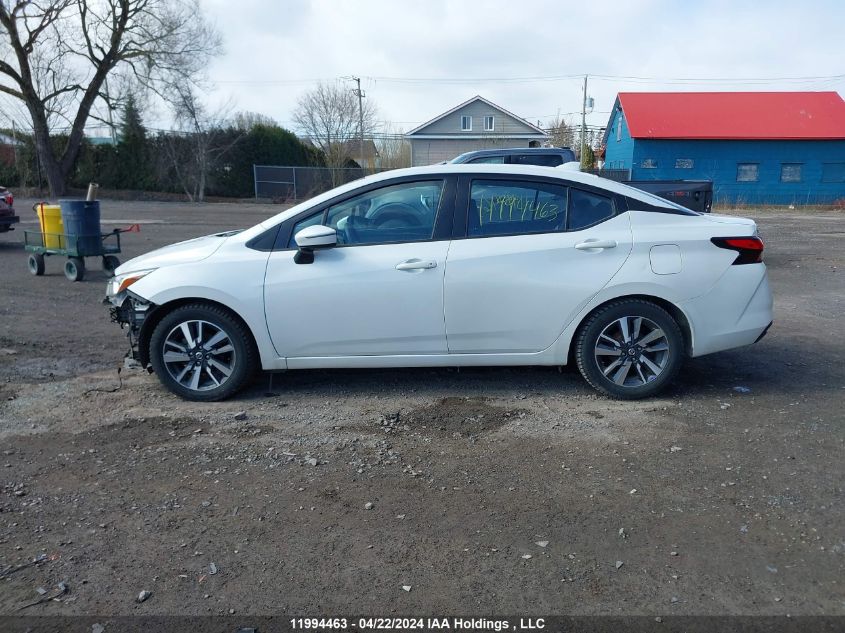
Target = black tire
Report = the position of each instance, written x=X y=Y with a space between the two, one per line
x=242 y=361
x=36 y=264
x=75 y=268
x=599 y=369
x=110 y=264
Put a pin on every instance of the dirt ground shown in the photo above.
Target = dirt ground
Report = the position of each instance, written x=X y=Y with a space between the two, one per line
x=501 y=490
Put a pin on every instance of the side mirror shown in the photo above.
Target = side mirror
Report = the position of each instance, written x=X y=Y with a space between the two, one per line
x=312 y=238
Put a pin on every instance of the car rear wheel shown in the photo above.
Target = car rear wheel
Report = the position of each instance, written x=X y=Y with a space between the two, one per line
x=202 y=352
x=629 y=349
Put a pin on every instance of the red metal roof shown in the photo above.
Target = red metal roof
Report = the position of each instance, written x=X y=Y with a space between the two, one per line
x=734 y=115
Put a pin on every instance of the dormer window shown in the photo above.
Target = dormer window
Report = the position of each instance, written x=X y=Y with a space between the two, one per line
x=466 y=123
x=488 y=124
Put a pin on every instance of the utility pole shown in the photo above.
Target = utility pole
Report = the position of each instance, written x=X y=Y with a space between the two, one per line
x=583 y=121
x=360 y=94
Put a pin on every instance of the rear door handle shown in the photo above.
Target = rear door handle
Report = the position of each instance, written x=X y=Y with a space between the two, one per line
x=588 y=245
x=416 y=264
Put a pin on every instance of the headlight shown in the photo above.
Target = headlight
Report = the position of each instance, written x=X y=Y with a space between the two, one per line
x=121 y=282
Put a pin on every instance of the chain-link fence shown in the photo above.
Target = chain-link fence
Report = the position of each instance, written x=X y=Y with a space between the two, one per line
x=301 y=183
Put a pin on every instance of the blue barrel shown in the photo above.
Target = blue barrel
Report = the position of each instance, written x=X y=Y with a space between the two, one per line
x=81 y=220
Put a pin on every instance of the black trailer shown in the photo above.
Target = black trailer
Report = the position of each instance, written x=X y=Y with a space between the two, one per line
x=692 y=194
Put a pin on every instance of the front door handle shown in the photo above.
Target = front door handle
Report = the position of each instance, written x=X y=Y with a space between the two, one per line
x=416 y=264
x=588 y=245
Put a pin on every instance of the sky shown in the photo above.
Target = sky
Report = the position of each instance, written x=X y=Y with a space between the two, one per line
x=417 y=59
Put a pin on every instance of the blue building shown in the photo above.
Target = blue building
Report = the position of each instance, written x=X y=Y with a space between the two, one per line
x=756 y=147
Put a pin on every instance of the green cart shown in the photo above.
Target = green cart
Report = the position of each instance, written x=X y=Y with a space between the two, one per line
x=76 y=248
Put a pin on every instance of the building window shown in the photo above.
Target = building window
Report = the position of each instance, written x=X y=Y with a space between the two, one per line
x=790 y=172
x=833 y=172
x=466 y=123
x=619 y=129
x=488 y=124
x=649 y=163
x=684 y=163
x=747 y=172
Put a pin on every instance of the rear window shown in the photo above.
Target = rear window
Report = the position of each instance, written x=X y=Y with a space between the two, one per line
x=543 y=160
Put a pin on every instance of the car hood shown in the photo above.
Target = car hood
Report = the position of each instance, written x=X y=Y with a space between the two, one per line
x=185 y=252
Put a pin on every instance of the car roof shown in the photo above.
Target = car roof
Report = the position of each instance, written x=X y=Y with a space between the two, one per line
x=520 y=150
x=566 y=176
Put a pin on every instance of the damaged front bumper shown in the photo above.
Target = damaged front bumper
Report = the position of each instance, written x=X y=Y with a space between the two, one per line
x=130 y=311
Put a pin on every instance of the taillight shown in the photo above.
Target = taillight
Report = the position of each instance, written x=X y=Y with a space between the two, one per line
x=750 y=249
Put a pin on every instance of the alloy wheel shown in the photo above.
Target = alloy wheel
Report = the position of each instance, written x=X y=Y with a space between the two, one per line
x=199 y=355
x=632 y=351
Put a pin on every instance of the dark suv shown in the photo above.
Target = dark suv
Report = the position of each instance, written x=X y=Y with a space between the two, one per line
x=543 y=156
x=7 y=211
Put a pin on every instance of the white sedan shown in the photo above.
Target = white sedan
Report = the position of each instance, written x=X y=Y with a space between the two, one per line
x=451 y=265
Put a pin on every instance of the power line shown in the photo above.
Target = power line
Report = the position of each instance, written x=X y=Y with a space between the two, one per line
x=281 y=82
x=546 y=78
x=460 y=80
x=720 y=79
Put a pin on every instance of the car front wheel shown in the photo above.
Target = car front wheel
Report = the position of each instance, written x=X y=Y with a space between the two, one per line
x=202 y=352
x=629 y=349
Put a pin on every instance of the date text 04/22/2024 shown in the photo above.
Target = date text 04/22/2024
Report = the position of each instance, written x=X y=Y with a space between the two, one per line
x=421 y=624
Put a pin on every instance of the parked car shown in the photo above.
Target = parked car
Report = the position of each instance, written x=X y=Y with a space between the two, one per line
x=7 y=211
x=449 y=265
x=543 y=156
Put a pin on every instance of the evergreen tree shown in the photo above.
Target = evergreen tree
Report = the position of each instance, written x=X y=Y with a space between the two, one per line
x=133 y=152
x=132 y=128
x=588 y=160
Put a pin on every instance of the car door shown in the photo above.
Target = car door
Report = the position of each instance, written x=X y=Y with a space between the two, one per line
x=380 y=290
x=533 y=253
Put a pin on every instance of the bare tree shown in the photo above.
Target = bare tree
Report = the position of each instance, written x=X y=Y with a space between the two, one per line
x=199 y=142
x=246 y=120
x=329 y=116
x=55 y=57
x=393 y=148
x=562 y=133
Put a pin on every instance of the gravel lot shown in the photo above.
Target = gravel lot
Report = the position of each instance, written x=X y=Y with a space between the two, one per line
x=493 y=490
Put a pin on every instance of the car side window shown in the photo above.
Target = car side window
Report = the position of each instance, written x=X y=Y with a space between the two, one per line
x=515 y=208
x=489 y=160
x=543 y=160
x=587 y=208
x=404 y=212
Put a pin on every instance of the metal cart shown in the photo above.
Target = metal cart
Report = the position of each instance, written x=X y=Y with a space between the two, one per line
x=76 y=248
